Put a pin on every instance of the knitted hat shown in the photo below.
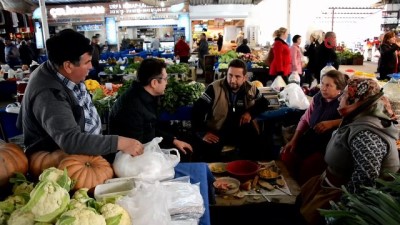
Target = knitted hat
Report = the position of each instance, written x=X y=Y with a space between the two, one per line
x=67 y=45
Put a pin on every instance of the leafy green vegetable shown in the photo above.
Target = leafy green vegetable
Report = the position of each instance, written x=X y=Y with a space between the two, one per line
x=180 y=93
x=378 y=206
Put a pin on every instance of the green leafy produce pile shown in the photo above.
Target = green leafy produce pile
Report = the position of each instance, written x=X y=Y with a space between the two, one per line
x=227 y=57
x=182 y=68
x=180 y=93
x=375 y=206
x=131 y=68
x=113 y=70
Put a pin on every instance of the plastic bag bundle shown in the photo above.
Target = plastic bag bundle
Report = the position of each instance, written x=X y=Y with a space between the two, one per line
x=186 y=202
x=147 y=204
x=278 y=84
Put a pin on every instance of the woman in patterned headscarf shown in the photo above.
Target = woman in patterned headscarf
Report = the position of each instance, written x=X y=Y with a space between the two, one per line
x=361 y=150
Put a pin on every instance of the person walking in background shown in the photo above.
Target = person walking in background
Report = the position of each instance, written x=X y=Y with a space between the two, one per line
x=239 y=38
x=202 y=51
x=34 y=49
x=2 y=52
x=243 y=48
x=311 y=54
x=326 y=54
x=11 y=53
x=220 y=41
x=388 y=62
x=182 y=50
x=25 y=53
x=281 y=63
x=296 y=55
x=94 y=73
x=155 y=44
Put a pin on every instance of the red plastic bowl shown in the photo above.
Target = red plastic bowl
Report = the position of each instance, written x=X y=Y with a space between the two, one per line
x=243 y=170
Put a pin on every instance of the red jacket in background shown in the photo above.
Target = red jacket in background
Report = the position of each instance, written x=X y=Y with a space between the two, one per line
x=182 y=48
x=282 y=60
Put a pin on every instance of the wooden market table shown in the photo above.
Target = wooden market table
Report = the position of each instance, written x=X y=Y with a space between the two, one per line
x=230 y=200
x=255 y=209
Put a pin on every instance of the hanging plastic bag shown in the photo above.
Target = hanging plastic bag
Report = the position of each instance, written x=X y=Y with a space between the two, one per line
x=278 y=84
x=295 y=97
x=154 y=164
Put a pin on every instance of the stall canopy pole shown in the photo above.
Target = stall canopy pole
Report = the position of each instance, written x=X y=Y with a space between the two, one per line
x=45 y=26
x=333 y=17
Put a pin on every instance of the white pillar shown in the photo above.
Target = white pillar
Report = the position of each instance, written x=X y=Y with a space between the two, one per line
x=45 y=25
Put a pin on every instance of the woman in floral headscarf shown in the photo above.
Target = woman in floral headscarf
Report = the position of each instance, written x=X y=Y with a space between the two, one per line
x=361 y=150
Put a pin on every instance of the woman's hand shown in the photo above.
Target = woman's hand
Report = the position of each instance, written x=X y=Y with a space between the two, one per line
x=289 y=147
x=324 y=126
x=211 y=138
x=182 y=146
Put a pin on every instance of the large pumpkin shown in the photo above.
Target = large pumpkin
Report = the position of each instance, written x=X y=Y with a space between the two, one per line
x=87 y=171
x=42 y=160
x=12 y=159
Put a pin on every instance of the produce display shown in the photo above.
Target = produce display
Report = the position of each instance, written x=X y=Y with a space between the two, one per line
x=88 y=171
x=48 y=202
x=42 y=160
x=180 y=93
x=13 y=159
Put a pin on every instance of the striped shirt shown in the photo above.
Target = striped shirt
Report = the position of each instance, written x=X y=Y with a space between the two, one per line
x=92 y=118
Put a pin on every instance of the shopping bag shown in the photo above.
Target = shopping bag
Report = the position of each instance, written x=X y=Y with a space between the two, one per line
x=155 y=164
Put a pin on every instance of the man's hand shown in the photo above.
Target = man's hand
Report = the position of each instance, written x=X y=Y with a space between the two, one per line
x=210 y=138
x=246 y=118
x=182 y=146
x=130 y=146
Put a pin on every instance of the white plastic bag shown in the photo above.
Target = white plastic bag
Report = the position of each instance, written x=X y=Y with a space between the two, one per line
x=155 y=164
x=147 y=204
x=294 y=97
x=278 y=84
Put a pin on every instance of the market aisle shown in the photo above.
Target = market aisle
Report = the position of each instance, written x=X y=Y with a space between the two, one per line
x=368 y=67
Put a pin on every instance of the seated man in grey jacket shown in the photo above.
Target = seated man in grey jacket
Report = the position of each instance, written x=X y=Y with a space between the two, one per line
x=57 y=111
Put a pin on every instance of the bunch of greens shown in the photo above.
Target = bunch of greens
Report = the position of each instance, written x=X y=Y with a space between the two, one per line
x=378 y=206
x=114 y=70
x=181 y=68
x=132 y=68
x=180 y=93
x=227 y=57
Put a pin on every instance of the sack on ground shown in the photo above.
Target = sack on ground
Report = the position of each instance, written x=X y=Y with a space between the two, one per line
x=155 y=164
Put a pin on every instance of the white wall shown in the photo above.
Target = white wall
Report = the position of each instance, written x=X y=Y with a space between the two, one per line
x=269 y=15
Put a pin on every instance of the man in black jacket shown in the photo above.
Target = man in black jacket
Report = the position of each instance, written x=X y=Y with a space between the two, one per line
x=134 y=114
x=326 y=54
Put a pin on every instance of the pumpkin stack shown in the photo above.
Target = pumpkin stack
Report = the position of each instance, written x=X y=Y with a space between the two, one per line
x=42 y=160
x=12 y=160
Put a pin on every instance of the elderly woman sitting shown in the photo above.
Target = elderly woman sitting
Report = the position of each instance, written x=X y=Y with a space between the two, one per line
x=303 y=154
x=362 y=149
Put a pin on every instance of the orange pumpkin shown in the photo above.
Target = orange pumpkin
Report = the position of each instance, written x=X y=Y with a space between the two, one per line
x=87 y=171
x=12 y=159
x=42 y=160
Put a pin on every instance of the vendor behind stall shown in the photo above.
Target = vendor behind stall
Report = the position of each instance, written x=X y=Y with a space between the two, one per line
x=57 y=111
